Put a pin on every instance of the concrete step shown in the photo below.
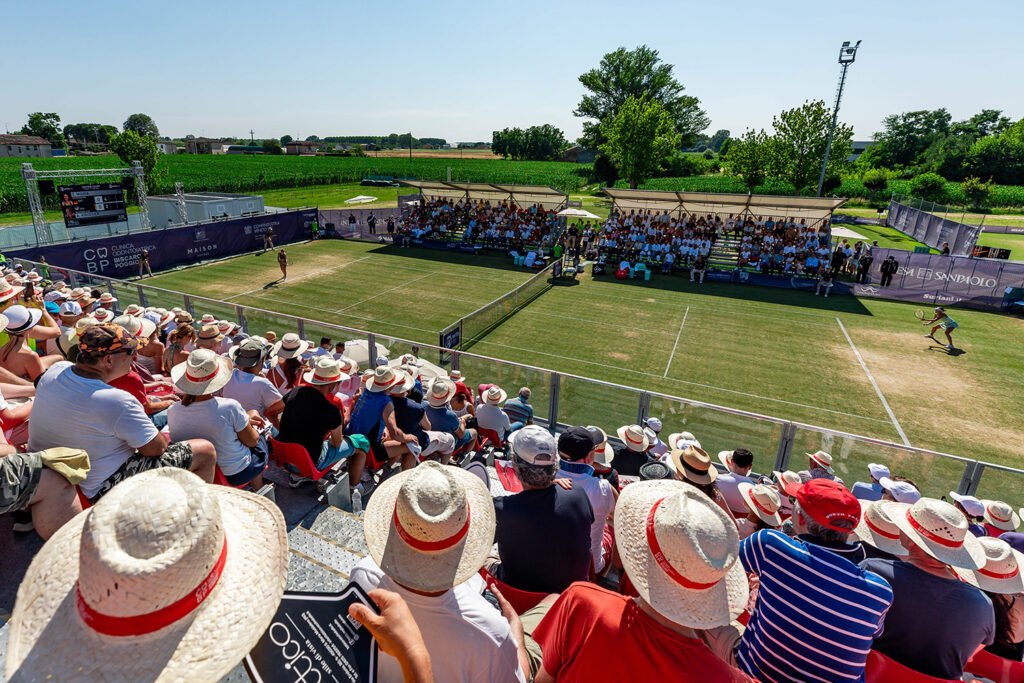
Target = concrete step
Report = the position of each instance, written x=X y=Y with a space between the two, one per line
x=322 y=551
x=339 y=527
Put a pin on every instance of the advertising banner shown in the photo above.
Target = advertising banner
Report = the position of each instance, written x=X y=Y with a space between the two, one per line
x=118 y=256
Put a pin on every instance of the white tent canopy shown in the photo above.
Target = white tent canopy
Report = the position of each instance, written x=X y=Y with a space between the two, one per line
x=813 y=209
x=521 y=195
x=361 y=199
x=577 y=213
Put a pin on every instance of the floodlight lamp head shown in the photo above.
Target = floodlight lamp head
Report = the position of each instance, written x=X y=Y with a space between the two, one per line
x=847 y=53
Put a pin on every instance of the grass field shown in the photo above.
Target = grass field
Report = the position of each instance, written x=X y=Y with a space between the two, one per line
x=777 y=352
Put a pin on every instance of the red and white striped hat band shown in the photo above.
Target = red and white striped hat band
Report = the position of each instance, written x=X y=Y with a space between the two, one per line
x=430 y=546
x=662 y=561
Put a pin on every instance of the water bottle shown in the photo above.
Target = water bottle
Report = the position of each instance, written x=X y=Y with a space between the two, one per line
x=357 y=501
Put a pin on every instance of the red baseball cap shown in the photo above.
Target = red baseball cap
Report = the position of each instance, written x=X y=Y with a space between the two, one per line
x=828 y=502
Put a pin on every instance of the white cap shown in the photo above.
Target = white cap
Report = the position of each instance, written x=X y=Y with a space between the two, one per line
x=973 y=506
x=534 y=445
x=902 y=492
x=878 y=471
x=654 y=423
x=70 y=308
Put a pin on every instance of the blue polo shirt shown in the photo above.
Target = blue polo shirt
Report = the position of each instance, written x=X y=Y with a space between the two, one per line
x=863 y=490
x=443 y=419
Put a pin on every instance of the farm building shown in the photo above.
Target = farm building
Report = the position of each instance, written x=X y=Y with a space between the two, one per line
x=202 y=206
x=166 y=147
x=205 y=146
x=579 y=155
x=245 y=149
x=301 y=147
x=24 y=146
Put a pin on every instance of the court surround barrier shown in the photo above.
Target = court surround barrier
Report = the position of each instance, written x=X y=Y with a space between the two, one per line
x=918 y=218
x=562 y=399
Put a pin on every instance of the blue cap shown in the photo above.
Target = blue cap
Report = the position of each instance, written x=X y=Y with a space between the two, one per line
x=52 y=308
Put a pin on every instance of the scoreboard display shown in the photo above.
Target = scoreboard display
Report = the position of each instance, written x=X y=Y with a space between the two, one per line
x=91 y=204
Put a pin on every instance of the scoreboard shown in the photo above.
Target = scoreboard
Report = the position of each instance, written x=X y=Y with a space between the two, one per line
x=91 y=204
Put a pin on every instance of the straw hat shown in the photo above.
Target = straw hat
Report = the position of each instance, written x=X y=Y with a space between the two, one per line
x=20 y=319
x=997 y=513
x=494 y=396
x=183 y=318
x=289 y=346
x=787 y=482
x=161 y=547
x=84 y=322
x=103 y=315
x=680 y=440
x=326 y=370
x=33 y=277
x=406 y=382
x=210 y=334
x=224 y=327
x=208 y=319
x=349 y=366
x=822 y=460
x=441 y=391
x=876 y=528
x=693 y=464
x=634 y=438
x=940 y=530
x=763 y=501
x=166 y=317
x=142 y=328
x=77 y=294
x=681 y=552
x=133 y=310
x=107 y=298
x=1001 y=572
x=250 y=353
x=602 y=455
x=203 y=372
x=431 y=527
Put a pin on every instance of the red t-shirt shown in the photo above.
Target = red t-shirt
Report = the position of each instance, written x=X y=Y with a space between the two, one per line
x=591 y=634
x=132 y=383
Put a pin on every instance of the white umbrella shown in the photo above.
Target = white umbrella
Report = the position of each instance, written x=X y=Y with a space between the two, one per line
x=428 y=370
x=361 y=199
x=577 y=213
x=356 y=349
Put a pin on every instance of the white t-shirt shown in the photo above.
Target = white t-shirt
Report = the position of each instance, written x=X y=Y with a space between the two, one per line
x=602 y=500
x=468 y=639
x=728 y=484
x=494 y=418
x=79 y=412
x=253 y=392
x=218 y=420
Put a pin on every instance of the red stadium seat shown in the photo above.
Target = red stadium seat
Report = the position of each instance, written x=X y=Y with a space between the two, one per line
x=295 y=454
x=881 y=669
x=520 y=600
x=507 y=477
x=221 y=480
x=996 y=668
x=489 y=436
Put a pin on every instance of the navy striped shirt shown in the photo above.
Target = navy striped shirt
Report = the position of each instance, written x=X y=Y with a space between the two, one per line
x=816 y=616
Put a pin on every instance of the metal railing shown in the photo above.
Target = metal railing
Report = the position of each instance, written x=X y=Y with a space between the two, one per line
x=561 y=399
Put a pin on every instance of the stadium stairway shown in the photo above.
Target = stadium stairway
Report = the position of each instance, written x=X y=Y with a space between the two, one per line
x=725 y=253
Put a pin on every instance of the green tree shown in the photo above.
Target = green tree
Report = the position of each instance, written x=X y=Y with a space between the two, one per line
x=142 y=124
x=45 y=126
x=85 y=133
x=544 y=143
x=285 y=139
x=876 y=181
x=905 y=137
x=929 y=186
x=623 y=74
x=751 y=157
x=999 y=158
x=724 y=149
x=641 y=137
x=131 y=146
x=272 y=147
x=801 y=135
x=718 y=139
x=984 y=123
x=976 y=191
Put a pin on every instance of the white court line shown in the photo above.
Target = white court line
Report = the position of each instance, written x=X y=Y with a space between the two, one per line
x=302 y=278
x=673 y=354
x=618 y=368
x=871 y=378
x=386 y=291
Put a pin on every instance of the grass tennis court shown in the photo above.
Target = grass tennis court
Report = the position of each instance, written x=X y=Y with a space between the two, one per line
x=841 y=363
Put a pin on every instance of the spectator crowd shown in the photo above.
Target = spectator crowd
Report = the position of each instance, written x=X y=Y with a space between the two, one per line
x=577 y=558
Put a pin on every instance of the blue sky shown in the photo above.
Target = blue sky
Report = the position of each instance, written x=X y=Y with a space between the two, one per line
x=460 y=70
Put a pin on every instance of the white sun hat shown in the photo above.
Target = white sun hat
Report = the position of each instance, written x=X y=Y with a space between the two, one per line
x=822 y=460
x=878 y=471
x=133 y=310
x=681 y=551
x=289 y=346
x=20 y=319
x=162 y=548
x=208 y=319
x=680 y=440
x=103 y=315
x=494 y=396
x=877 y=529
x=431 y=527
x=406 y=383
x=382 y=378
x=763 y=501
x=203 y=372
x=788 y=482
x=107 y=298
x=901 y=491
x=1001 y=572
x=143 y=328
x=997 y=513
x=602 y=455
x=940 y=530
x=325 y=371
x=633 y=437
x=440 y=392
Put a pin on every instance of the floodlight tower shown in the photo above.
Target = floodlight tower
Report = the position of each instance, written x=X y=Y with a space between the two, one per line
x=847 y=53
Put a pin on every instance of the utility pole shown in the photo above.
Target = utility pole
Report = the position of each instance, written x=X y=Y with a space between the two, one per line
x=846 y=56
x=252 y=136
x=410 y=145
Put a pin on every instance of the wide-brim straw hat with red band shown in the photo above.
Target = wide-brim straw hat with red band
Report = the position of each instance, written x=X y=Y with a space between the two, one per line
x=763 y=501
x=1001 y=572
x=681 y=551
x=634 y=438
x=430 y=528
x=156 y=582
x=1000 y=515
x=203 y=372
x=325 y=371
x=940 y=530
x=877 y=529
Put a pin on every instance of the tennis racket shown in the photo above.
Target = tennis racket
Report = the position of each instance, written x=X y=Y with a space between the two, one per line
x=920 y=314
